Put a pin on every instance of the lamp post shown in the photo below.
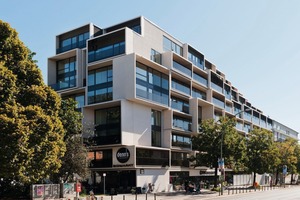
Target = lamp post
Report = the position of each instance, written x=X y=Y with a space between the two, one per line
x=104 y=175
x=221 y=162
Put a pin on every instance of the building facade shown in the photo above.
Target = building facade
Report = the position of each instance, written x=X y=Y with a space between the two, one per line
x=143 y=94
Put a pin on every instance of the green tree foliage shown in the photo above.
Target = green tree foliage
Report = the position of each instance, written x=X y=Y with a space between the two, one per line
x=288 y=154
x=74 y=160
x=261 y=152
x=208 y=144
x=31 y=132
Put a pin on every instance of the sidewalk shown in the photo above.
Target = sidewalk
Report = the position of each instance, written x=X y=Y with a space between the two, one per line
x=159 y=196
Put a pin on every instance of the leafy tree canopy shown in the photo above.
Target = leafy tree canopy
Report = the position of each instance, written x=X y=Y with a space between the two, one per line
x=32 y=135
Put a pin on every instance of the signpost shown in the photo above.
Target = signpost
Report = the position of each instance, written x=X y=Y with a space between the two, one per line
x=284 y=172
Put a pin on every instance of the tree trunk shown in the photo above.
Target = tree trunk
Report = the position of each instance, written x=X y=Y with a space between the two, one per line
x=254 y=178
x=216 y=177
x=276 y=179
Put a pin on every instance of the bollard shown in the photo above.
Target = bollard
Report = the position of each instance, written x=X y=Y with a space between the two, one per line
x=236 y=189
x=228 y=192
x=154 y=196
x=146 y=196
x=123 y=197
x=135 y=196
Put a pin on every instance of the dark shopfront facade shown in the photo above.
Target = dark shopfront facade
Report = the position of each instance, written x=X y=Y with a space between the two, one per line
x=127 y=167
x=119 y=181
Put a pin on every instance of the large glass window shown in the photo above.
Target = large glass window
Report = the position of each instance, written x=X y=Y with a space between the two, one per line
x=155 y=56
x=200 y=79
x=100 y=85
x=216 y=82
x=182 y=123
x=180 y=86
x=199 y=94
x=181 y=141
x=180 y=105
x=78 y=41
x=107 y=51
x=108 y=126
x=247 y=114
x=227 y=92
x=180 y=159
x=66 y=74
x=255 y=118
x=152 y=84
x=171 y=46
x=152 y=157
x=101 y=158
x=182 y=68
x=196 y=59
x=156 y=128
x=218 y=102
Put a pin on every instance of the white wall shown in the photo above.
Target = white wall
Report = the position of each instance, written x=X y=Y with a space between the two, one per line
x=136 y=124
x=159 y=177
x=124 y=77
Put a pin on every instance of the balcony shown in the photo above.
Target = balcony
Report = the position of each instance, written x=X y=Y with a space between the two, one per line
x=63 y=85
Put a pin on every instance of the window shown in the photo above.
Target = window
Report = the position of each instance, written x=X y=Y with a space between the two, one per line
x=180 y=105
x=100 y=85
x=179 y=159
x=182 y=68
x=107 y=51
x=155 y=56
x=78 y=41
x=196 y=58
x=171 y=46
x=151 y=84
x=180 y=86
x=152 y=157
x=108 y=126
x=101 y=158
x=200 y=79
x=106 y=46
x=199 y=94
x=216 y=82
x=156 y=128
x=218 y=102
x=66 y=74
x=182 y=123
x=181 y=141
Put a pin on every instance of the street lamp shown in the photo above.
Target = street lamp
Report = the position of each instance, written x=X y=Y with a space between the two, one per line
x=221 y=162
x=104 y=175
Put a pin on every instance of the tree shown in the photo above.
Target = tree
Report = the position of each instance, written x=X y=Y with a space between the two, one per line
x=288 y=155
x=74 y=160
x=208 y=144
x=261 y=152
x=31 y=131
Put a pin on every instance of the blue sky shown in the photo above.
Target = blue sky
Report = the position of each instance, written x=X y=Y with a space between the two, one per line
x=256 y=43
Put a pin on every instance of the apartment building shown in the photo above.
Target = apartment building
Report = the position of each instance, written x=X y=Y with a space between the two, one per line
x=143 y=94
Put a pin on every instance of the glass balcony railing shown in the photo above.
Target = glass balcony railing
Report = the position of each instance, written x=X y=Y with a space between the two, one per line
x=106 y=52
x=218 y=103
x=216 y=87
x=63 y=85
